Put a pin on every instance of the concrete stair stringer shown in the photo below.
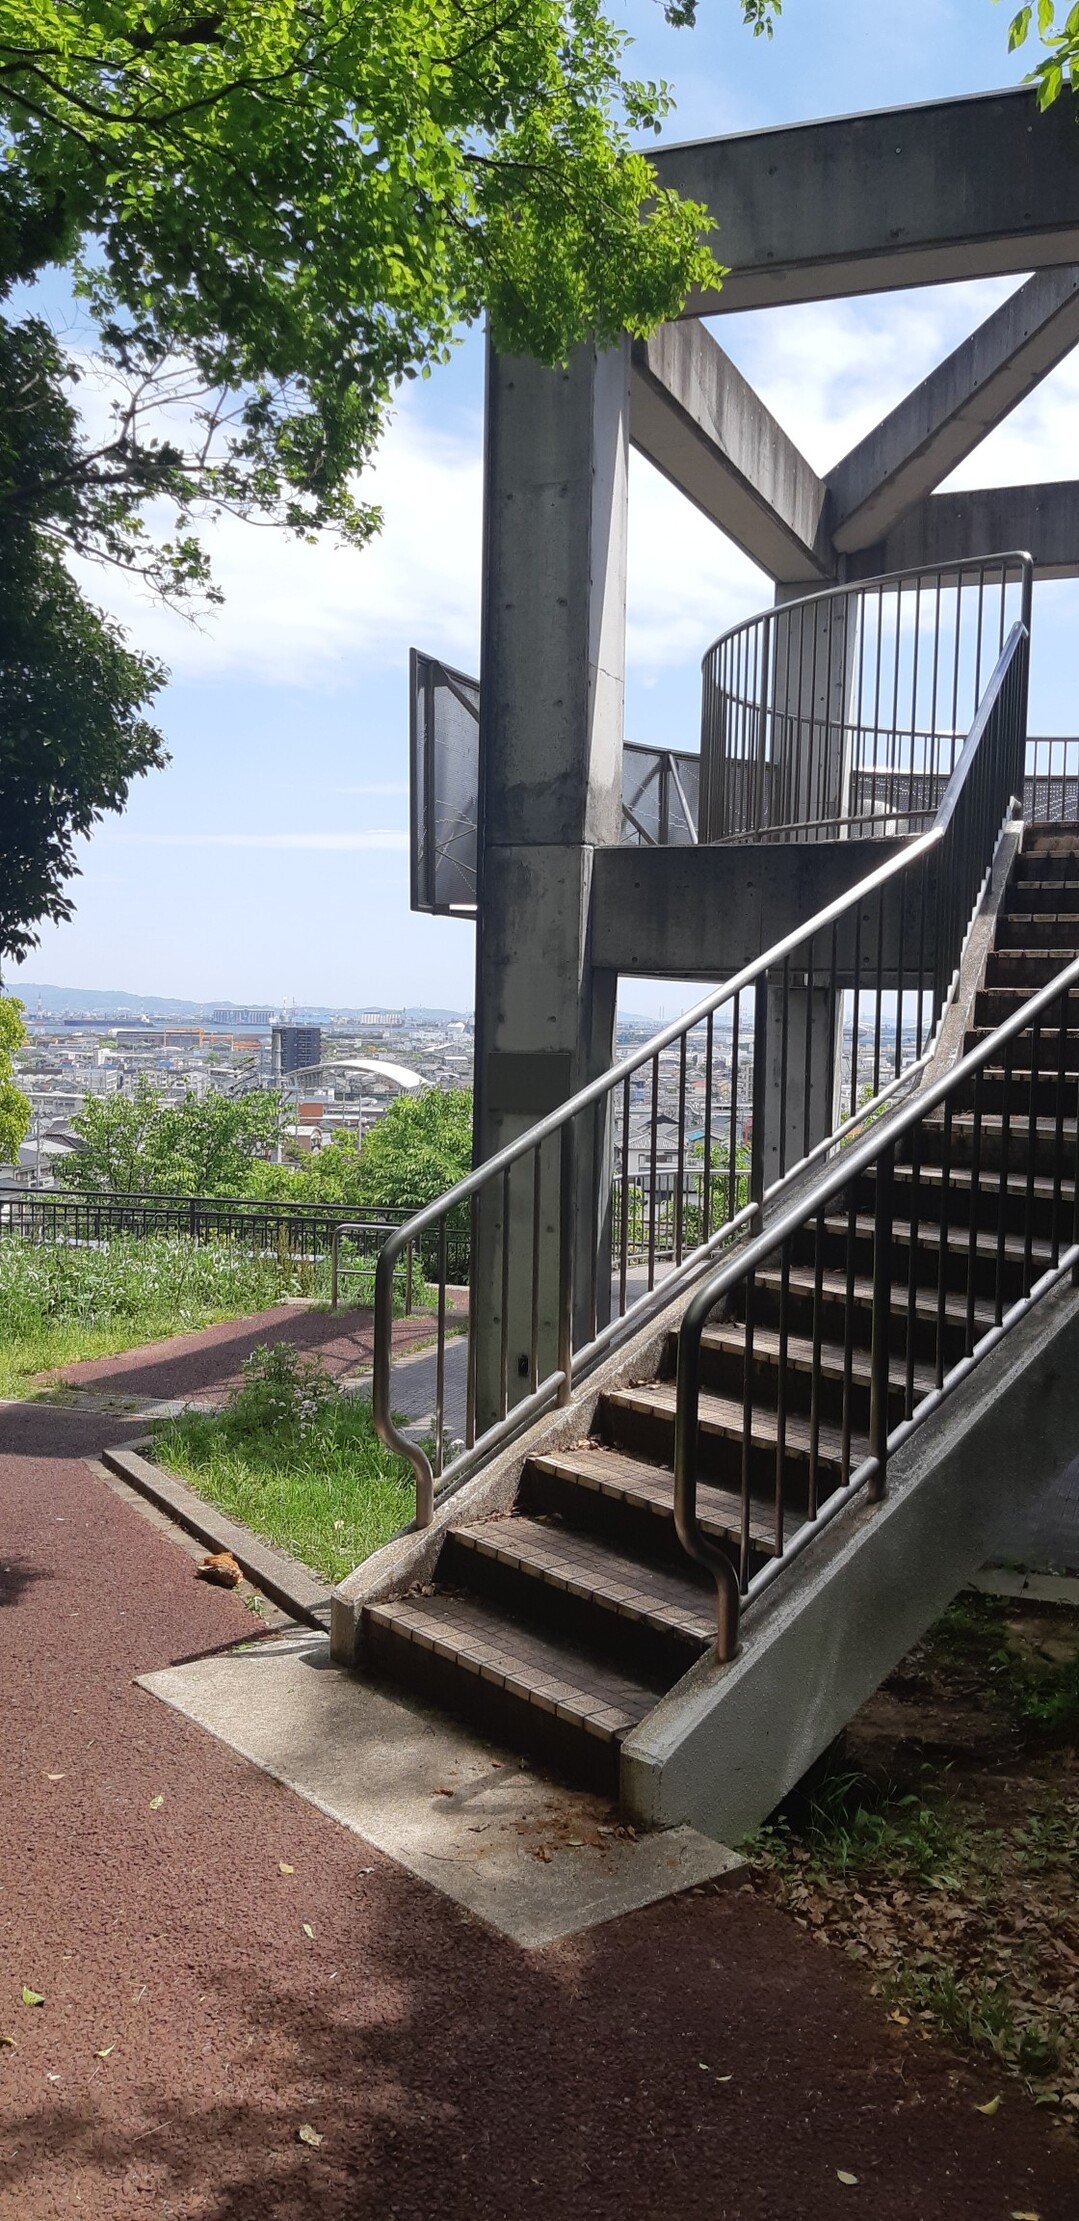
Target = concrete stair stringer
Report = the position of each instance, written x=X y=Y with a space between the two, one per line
x=727 y=1742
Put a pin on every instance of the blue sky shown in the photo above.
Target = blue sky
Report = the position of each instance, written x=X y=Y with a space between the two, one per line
x=270 y=859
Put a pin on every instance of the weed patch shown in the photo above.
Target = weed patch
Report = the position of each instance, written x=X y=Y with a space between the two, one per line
x=939 y=1846
x=297 y=1460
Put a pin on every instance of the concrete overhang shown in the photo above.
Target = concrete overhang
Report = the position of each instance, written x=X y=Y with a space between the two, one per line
x=949 y=414
x=699 y=421
x=978 y=187
x=1043 y=520
x=702 y=913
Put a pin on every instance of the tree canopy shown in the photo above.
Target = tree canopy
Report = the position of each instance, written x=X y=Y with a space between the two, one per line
x=140 y=1144
x=1058 y=64
x=14 y=1107
x=271 y=215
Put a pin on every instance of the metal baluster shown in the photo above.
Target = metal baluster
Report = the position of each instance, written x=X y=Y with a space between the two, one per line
x=781 y=1392
x=1005 y=1142
x=440 y=1360
x=1032 y=1151
x=975 y=1189
x=942 y=1249
x=537 y=1222
x=882 y=1319
x=815 y=1374
x=848 y=1332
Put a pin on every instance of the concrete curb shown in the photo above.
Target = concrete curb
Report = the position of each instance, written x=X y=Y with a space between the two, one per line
x=282 y=1579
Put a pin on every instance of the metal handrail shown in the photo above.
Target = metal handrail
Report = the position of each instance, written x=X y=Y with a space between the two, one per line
x=986 y=786
x=877 y=1149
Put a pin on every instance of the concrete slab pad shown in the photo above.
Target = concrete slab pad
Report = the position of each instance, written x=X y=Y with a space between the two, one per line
x=535 y=1860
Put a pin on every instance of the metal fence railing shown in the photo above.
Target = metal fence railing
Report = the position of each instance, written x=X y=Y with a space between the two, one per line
x=601 y=1212
x=844 y=712
x=943 y=1294
x=302 y=1232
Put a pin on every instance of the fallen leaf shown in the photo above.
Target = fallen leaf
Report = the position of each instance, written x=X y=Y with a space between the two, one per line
x=54 y=1777
x=992 y=2105
x=902 y=2019
x=441 y=1792
x=52 y=2078
x=542 y=1852
x=107 y=2053
x=307 y=1929
x=841 y=2175
x=1019 y=2215
x=220 y=1568
x=10 y=2042
x=308 y=2135
x=32 y=1997
x=283 y=1867
x=156 y=1803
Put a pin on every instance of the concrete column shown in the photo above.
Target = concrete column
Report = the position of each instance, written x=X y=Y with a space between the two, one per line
x=785 y=1083
x=550 y=794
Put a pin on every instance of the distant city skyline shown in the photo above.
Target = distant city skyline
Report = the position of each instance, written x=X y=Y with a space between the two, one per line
x=273 y=850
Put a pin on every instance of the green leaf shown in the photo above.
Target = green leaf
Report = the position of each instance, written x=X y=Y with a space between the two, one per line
x=32 y=1997
x=1018 y=29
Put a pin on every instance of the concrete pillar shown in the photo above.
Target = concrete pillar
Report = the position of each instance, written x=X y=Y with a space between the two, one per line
x=550 y=794
x=813 y=666
x=787 y=1080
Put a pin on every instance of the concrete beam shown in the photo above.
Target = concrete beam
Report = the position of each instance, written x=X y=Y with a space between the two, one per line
x=947 y=416
x=865 y=204
x=1043 y=520
x=701 y=913
x=699 y=421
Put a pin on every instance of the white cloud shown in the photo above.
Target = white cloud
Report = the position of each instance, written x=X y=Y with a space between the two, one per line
x=375 y=840
x=314 y=616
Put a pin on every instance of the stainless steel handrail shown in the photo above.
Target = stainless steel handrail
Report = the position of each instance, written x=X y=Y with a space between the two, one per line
x=810 y=1205
x=493 y=1175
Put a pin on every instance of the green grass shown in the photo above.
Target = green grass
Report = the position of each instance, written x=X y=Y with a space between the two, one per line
x=295 y=1460
x=60 y=1304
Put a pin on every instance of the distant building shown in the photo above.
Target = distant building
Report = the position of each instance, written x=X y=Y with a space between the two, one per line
x=294 y=1048
x=242 y=1017
x=378 y=1021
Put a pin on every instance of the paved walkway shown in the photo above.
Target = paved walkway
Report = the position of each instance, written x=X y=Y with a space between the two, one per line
x=206 y=1363
x=201 y=2005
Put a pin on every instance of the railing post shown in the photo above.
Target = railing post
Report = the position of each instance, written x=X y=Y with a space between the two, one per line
x=759 y=1112
x=882 y=1320
x=567 y=1227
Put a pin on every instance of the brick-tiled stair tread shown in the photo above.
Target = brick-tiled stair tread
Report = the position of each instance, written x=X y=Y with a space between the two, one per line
x=961 y=1176
x=724 y=1415
x=587 y=1693
x=611 y=1473
x=992 y=1126
x=834 y=1284
x=927 y=1234
x=730 y=1341
x=585 y=1566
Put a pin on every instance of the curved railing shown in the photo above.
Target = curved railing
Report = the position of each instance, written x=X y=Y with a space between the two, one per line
x=764 y=1077
x=843 y=713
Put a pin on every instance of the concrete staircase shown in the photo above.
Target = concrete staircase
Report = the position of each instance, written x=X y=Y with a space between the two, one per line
x=558 y=1627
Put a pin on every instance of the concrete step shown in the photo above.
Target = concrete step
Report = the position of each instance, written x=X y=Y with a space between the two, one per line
x=1024 y=968
x=1033 y=897
x=568 y=1705
x=723 y=1351
x=541 y=1569
x=631 y=1501
x=642 y=1419
x=1042 y=930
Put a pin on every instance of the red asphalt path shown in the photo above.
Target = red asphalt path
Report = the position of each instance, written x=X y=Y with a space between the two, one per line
x=451 y=2076
x=210 y=1360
